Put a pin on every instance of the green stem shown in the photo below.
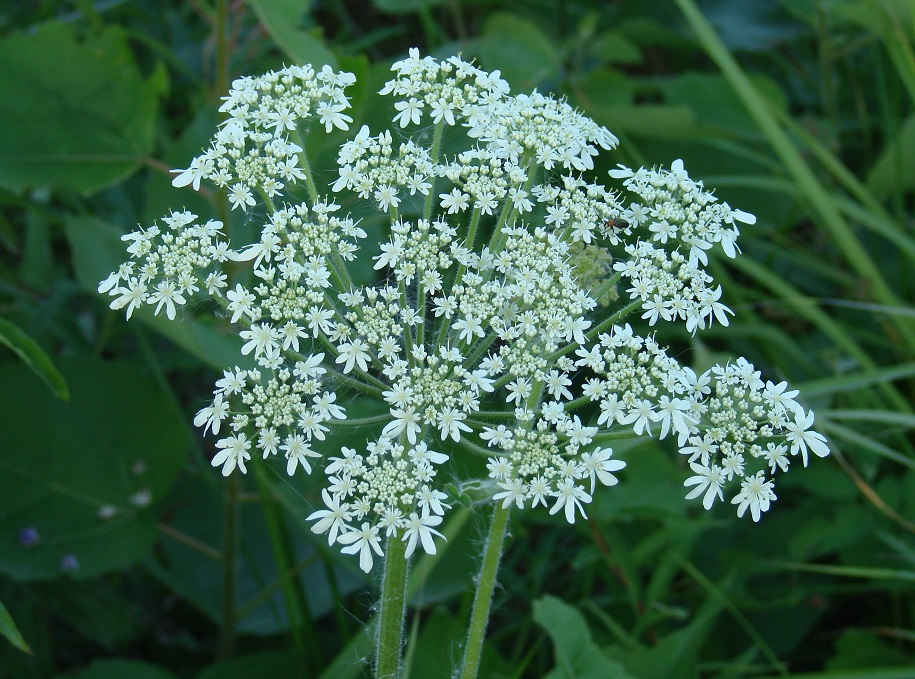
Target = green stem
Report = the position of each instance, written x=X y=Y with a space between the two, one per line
x=436 y=149
x=229 y=559
x=306 y=167
x=508 y=211
x=407 y=332
x=297 y=609
x=389 y=639
x=606 y=286
x=339 y=271
x=482 y=601
x=268 y=201
x=363 y=421
x=612 y=320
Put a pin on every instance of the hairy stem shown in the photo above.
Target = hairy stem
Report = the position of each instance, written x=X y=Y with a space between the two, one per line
x=436 y=150
x=389 y=638
x=306 y=167
x=482 y=601
x=229 y=568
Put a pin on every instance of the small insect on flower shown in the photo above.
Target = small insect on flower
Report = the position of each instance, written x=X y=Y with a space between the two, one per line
x=618 y=224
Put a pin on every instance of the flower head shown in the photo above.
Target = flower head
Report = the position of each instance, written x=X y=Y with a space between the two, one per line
x=471 y=321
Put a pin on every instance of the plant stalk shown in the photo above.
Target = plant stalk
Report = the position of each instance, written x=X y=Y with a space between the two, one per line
x=389 y=638
x=482 y=600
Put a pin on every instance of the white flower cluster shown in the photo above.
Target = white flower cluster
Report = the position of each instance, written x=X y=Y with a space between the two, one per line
x=585 y=212
x=167 y=266
x=724 y=419
x=482 y=338
x=676 y=211
x=252 y=152
x=539 y=127
x=448 y=88
x=368 y=166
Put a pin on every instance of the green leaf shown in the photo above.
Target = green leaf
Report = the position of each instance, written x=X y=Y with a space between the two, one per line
x=285 y=21
x=191 y=573
x=95 y=608
x=894 y=171
x=350 y=661
x=857 y=380
x=526 y=57
x=651 y=484
x=115 y=447
x=277 y=664
x=76 y=115
x=118 y=669
x=862 y=649
x=404 y=6
x=695 y=90
x=577 y=656
x=10 y=631
x=33 y=356
x=612 y=47
x=441 y=630
x=607 y=96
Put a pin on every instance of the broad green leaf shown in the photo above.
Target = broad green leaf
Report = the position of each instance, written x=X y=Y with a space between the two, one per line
x=423 y=656
x=78 y=114
x=607 y=96
x=120 y=669
x=33 y=356
x=820 y=535
x=350 y=661
x=75 y=478
x=612 y=47
x=96 y=609
x=285 y=21
x=650 y=484
x=451 y=570
x=441 y=630
x=697 y=89
x=277 y=664
x=894 y=171
x=651 y=121
x=863 y=649
x=524 y=54
x=189 y=572
x=576 y=654
x=10 y=631
x=98 y=250
x=404 y=6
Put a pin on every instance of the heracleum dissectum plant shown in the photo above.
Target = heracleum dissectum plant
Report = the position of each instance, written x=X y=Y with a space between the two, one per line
x=499 y=322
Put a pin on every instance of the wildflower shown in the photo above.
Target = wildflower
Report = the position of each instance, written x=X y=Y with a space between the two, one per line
x=364 y=541
x=802 y=438
x=484 y=328
x=755 y=493
x=419 y=529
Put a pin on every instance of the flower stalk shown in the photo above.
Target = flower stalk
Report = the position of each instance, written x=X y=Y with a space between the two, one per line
x=485 y=585
x=392 y=605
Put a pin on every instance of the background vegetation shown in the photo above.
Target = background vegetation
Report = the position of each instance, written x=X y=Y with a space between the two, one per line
x=800 y=111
